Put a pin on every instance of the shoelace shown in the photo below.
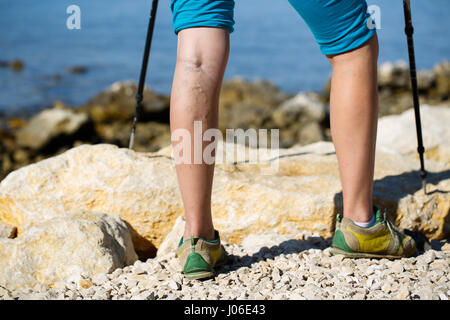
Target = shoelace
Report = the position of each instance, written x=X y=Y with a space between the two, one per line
x=192 y=243
x=394 y=232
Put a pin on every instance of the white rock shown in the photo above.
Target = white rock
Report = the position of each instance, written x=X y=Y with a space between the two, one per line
x=346 y=271
x=100 y=278
x=397 y=133
x=429 y=256
x=170 y=242
x=397 y=267
x=276 y=275
x=174 y=285
x=66 y=247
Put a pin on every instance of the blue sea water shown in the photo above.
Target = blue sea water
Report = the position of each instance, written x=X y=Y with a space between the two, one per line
x=270 y=41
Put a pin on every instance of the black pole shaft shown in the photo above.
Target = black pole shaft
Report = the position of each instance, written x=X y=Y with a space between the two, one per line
x=140 y=91
x=409 y=30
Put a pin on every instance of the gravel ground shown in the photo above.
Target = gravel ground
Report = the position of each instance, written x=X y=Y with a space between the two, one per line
x=294 y=269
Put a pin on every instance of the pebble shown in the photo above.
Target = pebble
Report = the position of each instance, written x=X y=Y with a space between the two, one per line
x=140 y=269
x=403 y=293
x=84 y=283
x=270 y=274
x=174 y=285
x=276 y=275
x=429 y=256
x=426 y=293
x=100 y=279
x=347 y=271
x=397 y=267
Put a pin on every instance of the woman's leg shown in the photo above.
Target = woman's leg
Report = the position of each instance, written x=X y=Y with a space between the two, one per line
x=350 y=43
x=201 y=61
x=341 y=30
x=354 y=115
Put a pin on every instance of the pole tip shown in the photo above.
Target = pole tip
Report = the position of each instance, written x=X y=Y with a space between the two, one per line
x=424 y=185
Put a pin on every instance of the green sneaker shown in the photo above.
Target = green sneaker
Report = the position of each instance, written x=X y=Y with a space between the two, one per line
x=198 y=256
x=381 y=240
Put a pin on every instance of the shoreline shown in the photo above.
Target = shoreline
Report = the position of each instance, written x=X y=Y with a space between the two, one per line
x=26 y=112
x=302 y=118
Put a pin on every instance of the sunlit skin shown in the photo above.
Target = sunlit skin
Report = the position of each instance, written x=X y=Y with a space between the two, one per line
x=201 y=61
x=353 y=121
x=202 y=57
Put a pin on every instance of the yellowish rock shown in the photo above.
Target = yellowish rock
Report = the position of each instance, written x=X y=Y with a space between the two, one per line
x=303 y=193
x=69 y=245
x=85 y=283
x=286 y=192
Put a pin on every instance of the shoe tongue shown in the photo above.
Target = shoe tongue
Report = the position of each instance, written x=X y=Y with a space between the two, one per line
x=194 y=241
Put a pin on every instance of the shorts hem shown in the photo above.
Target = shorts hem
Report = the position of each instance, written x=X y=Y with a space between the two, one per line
x=199 y=24
x=331 y=50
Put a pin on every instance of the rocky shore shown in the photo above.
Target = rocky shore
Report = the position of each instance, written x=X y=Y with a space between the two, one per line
x=84 y=217
x=106 y=118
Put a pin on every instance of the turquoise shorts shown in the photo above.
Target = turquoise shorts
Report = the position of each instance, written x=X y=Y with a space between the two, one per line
x=202 y=13
x=337 y=25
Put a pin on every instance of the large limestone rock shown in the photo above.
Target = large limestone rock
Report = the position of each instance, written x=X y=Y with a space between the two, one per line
x=68 y=245
x=397 y=133
x=302 y=193
x=139 y=187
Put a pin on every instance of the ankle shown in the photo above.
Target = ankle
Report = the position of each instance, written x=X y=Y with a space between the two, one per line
x=204 y=233
x=362 y=216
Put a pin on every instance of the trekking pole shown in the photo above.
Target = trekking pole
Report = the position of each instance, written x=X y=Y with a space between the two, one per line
x=140 y=91
x=409 y=30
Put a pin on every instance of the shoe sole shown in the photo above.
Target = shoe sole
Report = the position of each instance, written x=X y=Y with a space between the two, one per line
x=337 y=251
x=199 y=275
